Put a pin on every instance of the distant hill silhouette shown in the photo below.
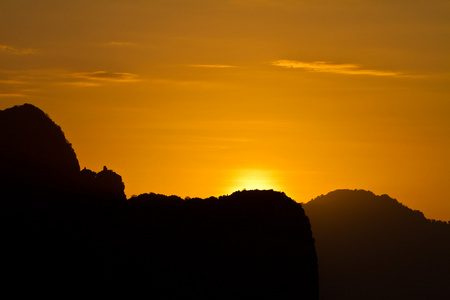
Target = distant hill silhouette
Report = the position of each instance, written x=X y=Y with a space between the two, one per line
x=65 y=231
x=373 y=247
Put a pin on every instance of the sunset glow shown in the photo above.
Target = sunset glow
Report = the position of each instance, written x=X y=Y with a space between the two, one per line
x=252 y=179
x=198 y=98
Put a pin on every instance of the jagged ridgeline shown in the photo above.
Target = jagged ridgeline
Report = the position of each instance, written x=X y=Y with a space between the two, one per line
x=72 y=229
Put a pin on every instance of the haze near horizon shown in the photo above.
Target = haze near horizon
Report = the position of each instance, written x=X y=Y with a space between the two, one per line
x=201 y=98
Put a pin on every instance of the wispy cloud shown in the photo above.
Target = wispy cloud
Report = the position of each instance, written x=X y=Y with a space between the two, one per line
x=213 y=66
x=16 y=81
x=13 y=50
x=120 y=44
x=107 y=76
x=11 y=81
x=326 y=67
x=10 y=95
x=82 y=83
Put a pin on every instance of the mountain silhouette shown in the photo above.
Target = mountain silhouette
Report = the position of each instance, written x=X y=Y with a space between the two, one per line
x=36 y=157
x=251 y=244
x=34 y=150
x=66 y=231
x=373 y=247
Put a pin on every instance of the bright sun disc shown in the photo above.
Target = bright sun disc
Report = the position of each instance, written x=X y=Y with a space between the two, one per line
x=253 y=179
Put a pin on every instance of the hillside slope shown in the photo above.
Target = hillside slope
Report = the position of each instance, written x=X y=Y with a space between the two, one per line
x=373 y=247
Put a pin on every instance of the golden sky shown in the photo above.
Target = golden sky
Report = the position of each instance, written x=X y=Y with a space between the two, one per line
x=204 y=97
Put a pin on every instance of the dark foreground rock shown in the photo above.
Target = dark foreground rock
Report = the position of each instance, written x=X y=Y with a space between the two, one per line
x=66 y=231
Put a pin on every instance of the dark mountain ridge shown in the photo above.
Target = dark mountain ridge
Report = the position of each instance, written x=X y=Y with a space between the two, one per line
x=75 y=230
x=35 y=157
x=256 y=243
x=66 y=231
x=34 y=149
x=373 y=247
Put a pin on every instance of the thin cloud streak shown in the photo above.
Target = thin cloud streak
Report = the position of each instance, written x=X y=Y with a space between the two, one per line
x=62 y=77
x=326 y=67
x=11 y=81
x=13 y=50
x=10 y=95
x=120 y=44
x=107 y=76
x=212 y=66
x=82 y=83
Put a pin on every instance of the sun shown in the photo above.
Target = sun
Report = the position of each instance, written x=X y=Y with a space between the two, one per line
x=253 y=179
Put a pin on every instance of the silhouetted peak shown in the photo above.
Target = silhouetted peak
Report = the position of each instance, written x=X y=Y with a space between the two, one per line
x=34 y=149
x=251 y=201
x=110 y=184
x=105 y=184
x=156 y=199
x=262 y=199
x=363 y=203
x=377 y=247
x=25 y=108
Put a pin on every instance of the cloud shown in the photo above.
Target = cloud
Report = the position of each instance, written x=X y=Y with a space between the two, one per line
x=11 y=81
x=107 y=76
x=212 y=66
x=120 y=44
x=326 y=67
x=10 y=95
x=82 y=83
x=12 y=50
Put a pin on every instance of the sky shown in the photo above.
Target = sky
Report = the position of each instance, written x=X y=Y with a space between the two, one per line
x=201 y=98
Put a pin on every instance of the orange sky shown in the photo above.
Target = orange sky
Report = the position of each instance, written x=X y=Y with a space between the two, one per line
x=203 y=97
